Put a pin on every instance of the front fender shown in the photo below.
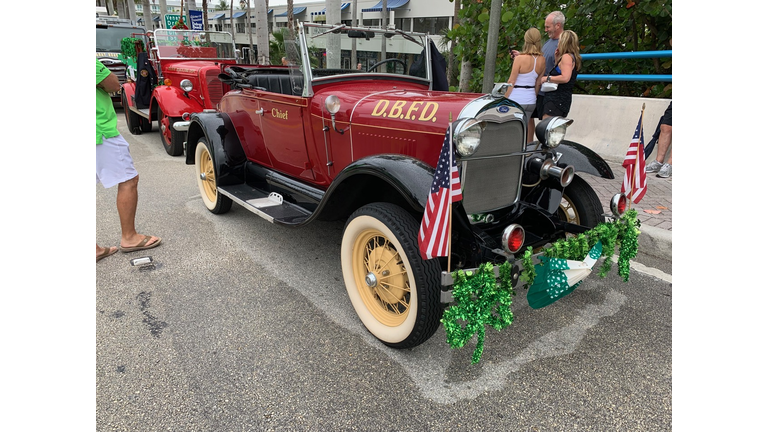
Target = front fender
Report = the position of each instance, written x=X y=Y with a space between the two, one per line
x=392 y=178
x=583 y=159
x=223 y=144
x=129 y=88
x=174 y=102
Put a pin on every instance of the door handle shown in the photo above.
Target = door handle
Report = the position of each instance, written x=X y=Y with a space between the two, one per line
x=259 y=111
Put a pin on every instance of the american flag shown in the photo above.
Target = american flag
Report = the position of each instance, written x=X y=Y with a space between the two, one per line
x=434 y=233
x=634 y=166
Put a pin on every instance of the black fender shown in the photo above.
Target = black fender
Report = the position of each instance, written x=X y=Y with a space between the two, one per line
x=583 y=159
x=224 y=145
x=389 y=177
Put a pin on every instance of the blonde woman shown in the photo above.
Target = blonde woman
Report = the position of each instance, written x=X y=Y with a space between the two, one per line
x=568 y=59
x=527 y=69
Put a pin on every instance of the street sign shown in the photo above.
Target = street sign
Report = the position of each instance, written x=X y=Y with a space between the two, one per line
x=172 y=19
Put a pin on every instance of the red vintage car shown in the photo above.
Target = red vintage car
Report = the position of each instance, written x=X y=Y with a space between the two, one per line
x=178 y=74
x=323 y=140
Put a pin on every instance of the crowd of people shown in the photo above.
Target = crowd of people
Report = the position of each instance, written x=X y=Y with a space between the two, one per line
x=558 y=61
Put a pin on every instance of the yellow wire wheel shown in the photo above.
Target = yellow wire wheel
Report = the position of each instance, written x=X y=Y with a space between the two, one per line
x=206 y=180
x=394 y=292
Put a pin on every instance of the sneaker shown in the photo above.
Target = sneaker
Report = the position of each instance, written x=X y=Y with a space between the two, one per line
x=653 y=167
x=665 y=171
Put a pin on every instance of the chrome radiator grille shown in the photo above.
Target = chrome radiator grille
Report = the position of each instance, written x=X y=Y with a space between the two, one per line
x=491 y=177
x=214 y=86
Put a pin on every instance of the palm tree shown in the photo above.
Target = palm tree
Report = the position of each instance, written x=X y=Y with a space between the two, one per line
x=290 y=18
x=147 y=12
x=163 y=12
x=246 y=4
x=222 y=5
x=262 y=32
x=205 y=15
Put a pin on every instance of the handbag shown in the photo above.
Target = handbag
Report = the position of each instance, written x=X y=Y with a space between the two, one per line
x=550 y=86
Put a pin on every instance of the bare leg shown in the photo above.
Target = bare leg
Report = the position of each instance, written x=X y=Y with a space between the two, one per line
x=127 y=200
x=531 y=127
x=665 y=140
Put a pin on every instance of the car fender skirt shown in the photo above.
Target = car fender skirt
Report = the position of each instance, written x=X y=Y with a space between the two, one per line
x=583 y=159
x=223 y=143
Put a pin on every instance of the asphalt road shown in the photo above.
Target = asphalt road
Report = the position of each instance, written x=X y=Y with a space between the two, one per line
x=246 y=326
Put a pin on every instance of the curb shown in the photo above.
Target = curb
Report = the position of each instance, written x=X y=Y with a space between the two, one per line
x=655 y=242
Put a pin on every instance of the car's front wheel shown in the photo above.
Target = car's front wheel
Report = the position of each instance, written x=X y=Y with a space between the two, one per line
x=395 y=293
x=206 y=181
x=580 y=204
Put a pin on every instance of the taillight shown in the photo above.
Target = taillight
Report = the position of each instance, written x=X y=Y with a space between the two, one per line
x=512 y=238
x=618 y=204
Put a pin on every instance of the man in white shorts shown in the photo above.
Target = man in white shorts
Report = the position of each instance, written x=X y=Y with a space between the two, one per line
x=114 y=166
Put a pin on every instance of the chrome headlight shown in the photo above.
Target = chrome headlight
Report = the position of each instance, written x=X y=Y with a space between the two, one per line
x=551 y=131
x=186 y=85
x=332 y=104
x=467 y=136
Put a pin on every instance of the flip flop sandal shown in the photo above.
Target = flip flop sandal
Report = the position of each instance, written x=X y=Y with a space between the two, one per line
x=142 y=245
x=109 y=251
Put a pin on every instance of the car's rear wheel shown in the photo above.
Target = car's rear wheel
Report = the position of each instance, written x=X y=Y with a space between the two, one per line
x=580 y=204
x=206 y=180
x=173 y=140
x=132 y=120
x=395 y=293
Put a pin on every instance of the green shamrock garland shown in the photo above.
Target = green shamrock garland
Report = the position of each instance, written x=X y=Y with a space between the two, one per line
x=482 y=300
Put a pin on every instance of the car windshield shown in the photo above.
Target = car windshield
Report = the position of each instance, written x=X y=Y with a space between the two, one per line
x=108 y=39
x=176 y=44
x=329 y=51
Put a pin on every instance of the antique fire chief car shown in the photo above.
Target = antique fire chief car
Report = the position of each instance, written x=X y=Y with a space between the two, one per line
x=180 y=75
x=324 y=140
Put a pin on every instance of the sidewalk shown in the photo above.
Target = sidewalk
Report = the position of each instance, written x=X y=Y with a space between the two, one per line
x=654 y=211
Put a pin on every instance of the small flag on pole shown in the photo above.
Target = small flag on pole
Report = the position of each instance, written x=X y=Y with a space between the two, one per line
x=634 y=165
x=434 y=233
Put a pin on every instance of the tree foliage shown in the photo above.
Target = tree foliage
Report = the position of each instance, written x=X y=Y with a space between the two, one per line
x=602 y=27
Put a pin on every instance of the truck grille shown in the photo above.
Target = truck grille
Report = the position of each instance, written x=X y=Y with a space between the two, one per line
x=215 y=87
x=491 y=177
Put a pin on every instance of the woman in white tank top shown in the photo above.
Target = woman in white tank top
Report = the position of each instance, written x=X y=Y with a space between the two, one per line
x=527 y=68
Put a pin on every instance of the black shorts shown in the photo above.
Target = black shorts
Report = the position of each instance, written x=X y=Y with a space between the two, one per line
x=667 y=117
x=554 y=107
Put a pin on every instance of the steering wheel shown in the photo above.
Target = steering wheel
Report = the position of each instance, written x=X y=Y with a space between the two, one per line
x=385 y=61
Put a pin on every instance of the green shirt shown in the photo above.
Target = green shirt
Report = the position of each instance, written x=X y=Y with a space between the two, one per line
x=106 y=117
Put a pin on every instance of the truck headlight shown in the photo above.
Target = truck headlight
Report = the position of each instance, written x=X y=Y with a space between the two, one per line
x=467 y=136
x=186 y=85
x=551 y=131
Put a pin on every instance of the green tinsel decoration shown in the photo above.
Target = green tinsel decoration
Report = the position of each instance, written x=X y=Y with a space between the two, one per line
x=128 y=46
x=480 y=301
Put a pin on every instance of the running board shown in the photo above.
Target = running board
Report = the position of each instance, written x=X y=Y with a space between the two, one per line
x=268 y=206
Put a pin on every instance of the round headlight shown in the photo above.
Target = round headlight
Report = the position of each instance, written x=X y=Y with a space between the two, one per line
x=332 y=104
x=186 y=85
x=551 y=131
x=467 y=137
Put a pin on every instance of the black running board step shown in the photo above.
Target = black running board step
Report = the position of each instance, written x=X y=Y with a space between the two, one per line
x=269 y=206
